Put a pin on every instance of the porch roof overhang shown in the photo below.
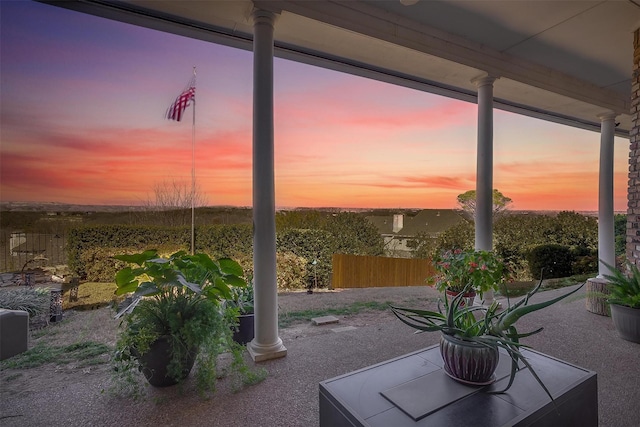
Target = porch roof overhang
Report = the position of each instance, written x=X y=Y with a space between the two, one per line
x=562 y=61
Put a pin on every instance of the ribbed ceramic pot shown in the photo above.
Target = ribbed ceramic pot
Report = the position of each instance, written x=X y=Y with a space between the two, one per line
x=626 y=321
x=467 y=361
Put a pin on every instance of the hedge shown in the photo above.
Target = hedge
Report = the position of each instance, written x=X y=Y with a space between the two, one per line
x=550 y=261
x=90 y=249
x=515 y=235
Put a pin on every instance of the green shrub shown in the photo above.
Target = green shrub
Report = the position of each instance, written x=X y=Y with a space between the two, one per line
x=90 y=249
x=231 y=241
x=353 y=234
x=585 y=263
x=83 y=239
x=556 y=260
x=100 y=266
x=292 y=271
x=576 y=231
x=460 y=236
x=515 y=235
x=311 y=245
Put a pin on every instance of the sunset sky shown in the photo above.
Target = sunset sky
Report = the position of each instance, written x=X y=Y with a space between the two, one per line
x=82 y=121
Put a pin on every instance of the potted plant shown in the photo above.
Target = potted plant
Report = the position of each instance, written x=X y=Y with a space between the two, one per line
x=472 y=271
x=242 y=302
x=472 y=336
x=624 y=301
x=177 y=316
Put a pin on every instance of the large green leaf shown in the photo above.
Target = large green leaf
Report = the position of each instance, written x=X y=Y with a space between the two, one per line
x=140 y=258
x=221 y=285
x=624 y=289
x=205 y=261
x=235 y=281
x=127 y=288
x=147 y=289
x=193 y=286
x=125 y=276
x=230 y=267
x=513 y=316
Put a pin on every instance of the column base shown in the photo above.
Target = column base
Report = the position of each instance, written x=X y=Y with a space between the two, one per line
x=260 y=353
x=597 y=292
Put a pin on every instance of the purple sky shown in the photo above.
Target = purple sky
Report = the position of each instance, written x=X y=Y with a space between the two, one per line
x=83 y=100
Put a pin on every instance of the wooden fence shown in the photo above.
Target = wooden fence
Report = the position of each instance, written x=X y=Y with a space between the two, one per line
x=355 y=271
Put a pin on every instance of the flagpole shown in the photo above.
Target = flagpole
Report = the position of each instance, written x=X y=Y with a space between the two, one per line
x=193 y=173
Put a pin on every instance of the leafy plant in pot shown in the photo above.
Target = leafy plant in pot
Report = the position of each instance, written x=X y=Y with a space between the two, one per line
x=472 y=335
x=624 y=301
x=471 y=271
x=242 y=301
x=177 y=317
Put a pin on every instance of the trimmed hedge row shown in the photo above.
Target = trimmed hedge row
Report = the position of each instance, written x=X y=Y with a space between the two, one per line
x=90 y=249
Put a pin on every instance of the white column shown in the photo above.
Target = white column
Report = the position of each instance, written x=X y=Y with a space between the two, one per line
x=266 y=344
x=606 y=239
x=484 y=171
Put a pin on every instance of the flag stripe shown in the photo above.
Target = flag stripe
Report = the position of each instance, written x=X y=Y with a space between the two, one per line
x=176 y=110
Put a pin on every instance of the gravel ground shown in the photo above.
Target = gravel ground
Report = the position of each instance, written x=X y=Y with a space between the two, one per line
x=73 y=395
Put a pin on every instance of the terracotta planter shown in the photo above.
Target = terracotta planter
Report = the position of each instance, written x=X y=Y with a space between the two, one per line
x=468 y=362
x=626 y=321
x=154 y=363
x=466 y=300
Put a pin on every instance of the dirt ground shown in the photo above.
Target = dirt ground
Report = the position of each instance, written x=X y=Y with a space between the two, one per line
x=99 y=326
x=418 y=296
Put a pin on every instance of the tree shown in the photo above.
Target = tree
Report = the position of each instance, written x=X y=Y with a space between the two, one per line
x=423 y=245
x=460 y=236
x=172 y=202
x=467 y=202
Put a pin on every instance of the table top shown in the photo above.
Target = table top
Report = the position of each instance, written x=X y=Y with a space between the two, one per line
x=414 y=390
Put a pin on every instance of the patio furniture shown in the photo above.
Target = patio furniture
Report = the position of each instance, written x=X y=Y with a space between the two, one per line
x=413 y=390
x=14 y=332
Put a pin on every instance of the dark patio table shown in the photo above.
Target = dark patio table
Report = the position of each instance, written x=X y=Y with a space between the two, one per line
x=413 y=390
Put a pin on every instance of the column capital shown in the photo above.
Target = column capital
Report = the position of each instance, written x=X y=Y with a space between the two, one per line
x=483 y=80
x=607 y=115
x=262 y=16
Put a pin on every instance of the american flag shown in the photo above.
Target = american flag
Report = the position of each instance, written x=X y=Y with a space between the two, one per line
x=176 y=110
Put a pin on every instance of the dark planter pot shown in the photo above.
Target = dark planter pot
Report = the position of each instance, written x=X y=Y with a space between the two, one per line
x=626 y=321
x=154 y=363
x=244 y=332
x=468 y=362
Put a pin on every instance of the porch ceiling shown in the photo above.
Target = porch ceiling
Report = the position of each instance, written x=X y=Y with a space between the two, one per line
x=564 y=61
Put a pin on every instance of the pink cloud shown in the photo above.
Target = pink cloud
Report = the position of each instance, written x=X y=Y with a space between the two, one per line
x=368 y=104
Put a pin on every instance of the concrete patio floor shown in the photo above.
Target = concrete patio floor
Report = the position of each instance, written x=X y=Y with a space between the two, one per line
x=289 y=395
